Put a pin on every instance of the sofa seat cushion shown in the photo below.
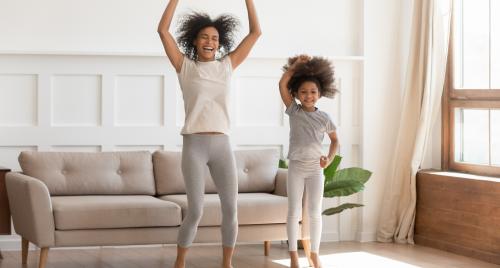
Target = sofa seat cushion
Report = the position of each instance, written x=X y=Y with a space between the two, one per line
x=123 y=211
x=253 y=208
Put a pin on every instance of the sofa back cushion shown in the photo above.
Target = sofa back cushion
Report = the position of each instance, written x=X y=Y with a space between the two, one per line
x=256 y=171
x=76 y=173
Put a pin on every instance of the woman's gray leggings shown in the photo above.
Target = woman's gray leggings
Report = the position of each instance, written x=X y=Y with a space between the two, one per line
x=214 y=151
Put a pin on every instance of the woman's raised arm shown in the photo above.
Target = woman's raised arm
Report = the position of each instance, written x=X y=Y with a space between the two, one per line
x=246 y=45
x=174 y=54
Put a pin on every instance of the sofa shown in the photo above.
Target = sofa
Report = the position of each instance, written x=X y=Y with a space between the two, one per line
x=75 y=199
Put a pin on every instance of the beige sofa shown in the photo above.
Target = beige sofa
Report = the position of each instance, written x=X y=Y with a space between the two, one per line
x=64 y=199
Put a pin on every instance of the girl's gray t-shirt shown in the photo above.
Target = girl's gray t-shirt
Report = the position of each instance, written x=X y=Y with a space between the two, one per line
x=307 y=130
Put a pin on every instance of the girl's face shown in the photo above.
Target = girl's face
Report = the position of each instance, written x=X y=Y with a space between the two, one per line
x=207 y=44
x=308 y=94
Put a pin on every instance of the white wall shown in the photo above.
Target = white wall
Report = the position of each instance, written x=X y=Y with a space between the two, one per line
x=91 y=76
x=386 y=47
x=129 y=26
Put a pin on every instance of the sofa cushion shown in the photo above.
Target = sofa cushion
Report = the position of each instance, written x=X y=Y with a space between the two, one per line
x=168 y=174
x=71 y=173
x=112 y=211
x=256 y=171
x=253 y=208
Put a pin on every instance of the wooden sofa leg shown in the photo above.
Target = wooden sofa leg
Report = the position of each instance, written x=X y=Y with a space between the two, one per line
x=44 y=253
x=267 y=247
x=24 y=250
x=307 y=251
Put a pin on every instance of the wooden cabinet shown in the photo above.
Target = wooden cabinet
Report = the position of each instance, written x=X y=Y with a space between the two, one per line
x=459 y=213
x=4 y=205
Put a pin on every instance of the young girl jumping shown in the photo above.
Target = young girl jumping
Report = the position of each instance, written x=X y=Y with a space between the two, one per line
x=307 y=79
x=204 y=72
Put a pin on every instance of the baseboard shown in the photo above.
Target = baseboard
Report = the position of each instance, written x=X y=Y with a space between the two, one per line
x=10 y=242
x=330 y=237
x=13 y=243
x=366 y=236
x=493 y=257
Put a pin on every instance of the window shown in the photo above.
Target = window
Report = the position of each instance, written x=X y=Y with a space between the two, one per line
x=471 y=103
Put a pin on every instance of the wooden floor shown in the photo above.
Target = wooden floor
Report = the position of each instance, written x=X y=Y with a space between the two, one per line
x=344 y=254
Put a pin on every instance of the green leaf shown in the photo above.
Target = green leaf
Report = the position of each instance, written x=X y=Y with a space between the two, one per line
x=282 y=164
x=329 y=171
x=353 y=173
x=340 y=208
x=342 y=188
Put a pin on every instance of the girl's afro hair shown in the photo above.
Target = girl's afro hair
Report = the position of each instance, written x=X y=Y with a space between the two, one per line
x=191 y=24
x=318 y=70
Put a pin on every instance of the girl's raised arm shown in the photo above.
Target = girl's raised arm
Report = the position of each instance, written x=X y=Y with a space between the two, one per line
x=244 y=48
x=286 y=96
x=174 y=54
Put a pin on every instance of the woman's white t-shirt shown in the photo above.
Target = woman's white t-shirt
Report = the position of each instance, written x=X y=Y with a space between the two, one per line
x=205 y=88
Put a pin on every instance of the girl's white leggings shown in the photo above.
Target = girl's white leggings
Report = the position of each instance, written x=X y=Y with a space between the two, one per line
x=306 y=176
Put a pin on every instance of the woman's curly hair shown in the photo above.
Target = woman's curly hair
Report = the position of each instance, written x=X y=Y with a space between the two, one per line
x=191 y=24
x=318 y=70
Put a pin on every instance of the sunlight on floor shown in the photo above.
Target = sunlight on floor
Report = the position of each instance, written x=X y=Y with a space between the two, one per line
x=352 y=260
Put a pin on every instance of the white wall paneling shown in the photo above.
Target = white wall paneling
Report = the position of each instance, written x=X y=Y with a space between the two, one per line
x=257 y=102
x=9 y=154
x=150 y=148
x=139 y=100
x=76 y=100
x=89 y=149
x=18 y=96
x=122 y=103
x=74 y=86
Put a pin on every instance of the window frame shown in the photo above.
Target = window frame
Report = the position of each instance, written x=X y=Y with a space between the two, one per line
x=462 y=98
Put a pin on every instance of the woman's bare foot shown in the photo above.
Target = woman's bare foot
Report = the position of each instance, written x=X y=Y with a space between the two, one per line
x=315 y=259
x=180 y=261
x=294 y=259
x=227 y=256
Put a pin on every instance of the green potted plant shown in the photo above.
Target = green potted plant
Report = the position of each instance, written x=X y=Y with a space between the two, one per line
x=343 y=182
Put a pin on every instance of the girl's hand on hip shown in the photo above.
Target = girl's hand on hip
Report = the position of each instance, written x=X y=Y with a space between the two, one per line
x=324 y=161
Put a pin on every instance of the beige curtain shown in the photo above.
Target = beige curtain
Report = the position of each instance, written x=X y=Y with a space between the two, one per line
x=422 y=98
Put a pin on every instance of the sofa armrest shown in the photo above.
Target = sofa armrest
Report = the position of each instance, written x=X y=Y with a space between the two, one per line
x=280 y=182
x=31 y=209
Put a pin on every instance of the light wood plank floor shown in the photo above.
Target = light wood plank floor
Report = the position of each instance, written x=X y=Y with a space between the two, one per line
x=335 y=255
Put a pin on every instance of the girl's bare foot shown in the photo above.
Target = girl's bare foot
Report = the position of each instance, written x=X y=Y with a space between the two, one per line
x=315 y=259
x=294 y=259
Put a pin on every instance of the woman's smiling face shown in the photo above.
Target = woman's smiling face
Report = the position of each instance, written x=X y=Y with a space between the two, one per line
x=207 y=44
